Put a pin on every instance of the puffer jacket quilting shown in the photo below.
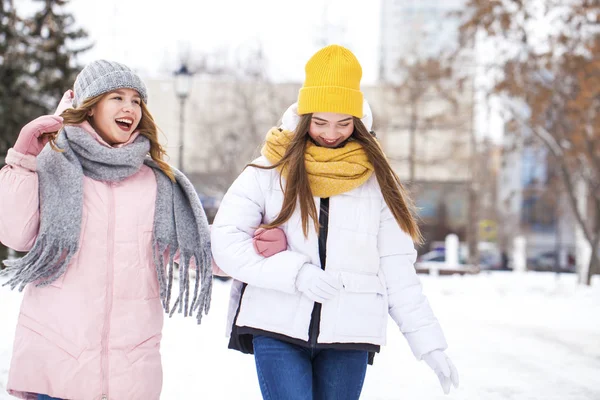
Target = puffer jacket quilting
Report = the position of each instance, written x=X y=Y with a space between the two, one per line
x=366 y=250
x=97 y=329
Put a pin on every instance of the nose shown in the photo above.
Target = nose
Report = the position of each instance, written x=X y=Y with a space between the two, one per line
x=330 y=132
x=128 y=106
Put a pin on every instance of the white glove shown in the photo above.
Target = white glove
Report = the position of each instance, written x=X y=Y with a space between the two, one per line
x=445 y=370
x=316 y=284
x=290 y=118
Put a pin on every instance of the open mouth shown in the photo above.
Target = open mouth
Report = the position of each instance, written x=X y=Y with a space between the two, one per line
x=124 y=123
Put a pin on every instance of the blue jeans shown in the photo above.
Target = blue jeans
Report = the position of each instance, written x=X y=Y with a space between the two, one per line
x=46 y=397
x=290 y=372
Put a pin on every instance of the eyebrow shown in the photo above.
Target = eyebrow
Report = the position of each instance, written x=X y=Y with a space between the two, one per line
x=341 y=120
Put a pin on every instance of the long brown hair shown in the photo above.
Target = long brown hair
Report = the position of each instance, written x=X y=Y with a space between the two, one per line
x=147 y=127
x=394 y=193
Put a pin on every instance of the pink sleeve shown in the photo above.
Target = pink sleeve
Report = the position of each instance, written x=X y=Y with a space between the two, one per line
x=19 y=202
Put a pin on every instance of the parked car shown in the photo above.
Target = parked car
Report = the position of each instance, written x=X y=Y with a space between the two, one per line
x=491 y=261
x=549 y=261
x=436 y=260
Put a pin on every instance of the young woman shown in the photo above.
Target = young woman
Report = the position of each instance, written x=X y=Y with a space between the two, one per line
x=315 y=314
x=101 y=215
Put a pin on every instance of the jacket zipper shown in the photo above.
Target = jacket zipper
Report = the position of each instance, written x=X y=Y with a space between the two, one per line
x=315 y=319
x=109 y=290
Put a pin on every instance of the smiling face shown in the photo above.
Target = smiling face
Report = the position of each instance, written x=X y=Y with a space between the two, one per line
x=330 y=129
x=116 y=116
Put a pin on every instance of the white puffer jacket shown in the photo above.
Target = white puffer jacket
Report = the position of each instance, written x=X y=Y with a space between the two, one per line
x=366 y=249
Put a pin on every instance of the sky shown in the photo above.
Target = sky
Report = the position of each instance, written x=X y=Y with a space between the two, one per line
x=151 y=36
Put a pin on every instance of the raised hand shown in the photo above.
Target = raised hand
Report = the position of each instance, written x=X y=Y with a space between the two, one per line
x=30 y=140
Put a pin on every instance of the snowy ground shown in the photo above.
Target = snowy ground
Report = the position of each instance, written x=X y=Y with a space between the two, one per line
x=528 y=337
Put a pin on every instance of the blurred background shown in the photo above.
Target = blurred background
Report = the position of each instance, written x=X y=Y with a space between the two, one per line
x=487 y=110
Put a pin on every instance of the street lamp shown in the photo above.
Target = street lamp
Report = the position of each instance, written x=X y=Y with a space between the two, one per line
x=183 y=86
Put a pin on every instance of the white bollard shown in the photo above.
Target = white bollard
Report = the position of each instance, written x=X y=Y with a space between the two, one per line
x=452 y=251
x=563 y=258
x=519 y=254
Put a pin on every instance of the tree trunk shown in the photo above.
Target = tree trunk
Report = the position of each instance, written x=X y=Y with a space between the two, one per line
x=594 y=266
x=473 y=226
x=413 y=141
x=474 y=187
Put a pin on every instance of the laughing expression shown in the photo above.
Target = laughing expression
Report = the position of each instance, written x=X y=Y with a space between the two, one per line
x=330 y=129
x=116 y=116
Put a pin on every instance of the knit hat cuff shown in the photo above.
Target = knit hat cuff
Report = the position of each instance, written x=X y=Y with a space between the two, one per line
x=334 y=99
x=112 y=81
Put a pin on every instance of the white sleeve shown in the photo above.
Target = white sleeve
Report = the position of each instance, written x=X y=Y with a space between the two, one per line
x=240 y=214
x=408 y=306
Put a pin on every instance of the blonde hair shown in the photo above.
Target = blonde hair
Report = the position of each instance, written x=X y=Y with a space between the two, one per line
x=394 y=193
x=147 y=127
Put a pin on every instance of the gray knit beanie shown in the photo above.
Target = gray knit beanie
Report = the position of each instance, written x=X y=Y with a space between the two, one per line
x=103 y=76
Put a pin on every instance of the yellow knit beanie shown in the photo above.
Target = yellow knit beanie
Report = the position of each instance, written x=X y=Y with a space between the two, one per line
x=332 y=83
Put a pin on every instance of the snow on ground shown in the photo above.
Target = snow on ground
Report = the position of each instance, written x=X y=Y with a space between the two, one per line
x=512 y=337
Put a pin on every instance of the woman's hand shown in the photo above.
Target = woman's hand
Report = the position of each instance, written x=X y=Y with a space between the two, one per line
x=268 y=242
x=31 y=140
x=65 y=102
x=445 y=370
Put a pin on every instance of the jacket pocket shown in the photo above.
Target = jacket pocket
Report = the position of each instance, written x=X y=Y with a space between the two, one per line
x=362 y=307
x=58 y=283
x=53 y=337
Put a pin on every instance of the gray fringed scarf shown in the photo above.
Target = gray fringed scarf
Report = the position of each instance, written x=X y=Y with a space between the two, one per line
x=179 y=221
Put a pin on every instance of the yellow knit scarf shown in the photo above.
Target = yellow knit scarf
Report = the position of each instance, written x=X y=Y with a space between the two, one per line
x=330 y=171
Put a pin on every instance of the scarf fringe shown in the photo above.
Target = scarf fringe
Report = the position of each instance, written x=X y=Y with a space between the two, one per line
x=200 y=301
x=43 y=264
x=179 y=223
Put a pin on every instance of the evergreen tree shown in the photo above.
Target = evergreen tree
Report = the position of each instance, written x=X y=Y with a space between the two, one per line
x=38 y=63
x=13 y=86
x=54 y=44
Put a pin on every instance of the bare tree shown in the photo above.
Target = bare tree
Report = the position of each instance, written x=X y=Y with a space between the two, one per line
x=425 y=100
x=431 y=106
x=549 y=82
x=243 y=104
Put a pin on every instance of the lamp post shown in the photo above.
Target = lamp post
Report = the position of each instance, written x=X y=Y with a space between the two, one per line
x=183 y=86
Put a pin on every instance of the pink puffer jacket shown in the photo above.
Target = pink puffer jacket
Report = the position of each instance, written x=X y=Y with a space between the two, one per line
x=95 y=332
